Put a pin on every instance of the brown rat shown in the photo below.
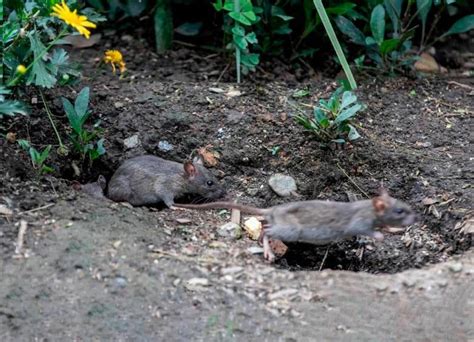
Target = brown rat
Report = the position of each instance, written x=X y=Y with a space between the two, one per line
x=321 y=222
x=147 y=180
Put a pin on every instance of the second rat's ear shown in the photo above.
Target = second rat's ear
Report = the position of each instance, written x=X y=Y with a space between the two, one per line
x=380 y=204
x=190 y=169
x=102 y=182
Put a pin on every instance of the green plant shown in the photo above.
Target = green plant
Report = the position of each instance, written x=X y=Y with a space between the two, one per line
x=82 y=139
x=335 y=42
x=10 y=107
x=331 y=119
x=37 y=157
x=390 y=43
x=242 y=14
x=31 y=31
x=273 y=29
x=28 y=39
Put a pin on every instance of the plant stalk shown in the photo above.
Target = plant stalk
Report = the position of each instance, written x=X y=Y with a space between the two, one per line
x=335 y=42
x=50 y=116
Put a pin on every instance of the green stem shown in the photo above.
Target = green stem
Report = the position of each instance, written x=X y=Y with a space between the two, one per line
x=50 y=116
x=60 y=35
x=237 y=50
x=335 y=43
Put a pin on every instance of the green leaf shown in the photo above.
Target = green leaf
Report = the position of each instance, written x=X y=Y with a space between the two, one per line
x=35 y=156
x=81 y=104
x=424 y=7
x=241 y=18
x=74 y=119
x=394 y=9
x=370 y=41
x=24 y=144
x=347 y=113
x=280 y=13
x=12 y=107
x=251 y=38
x=340 y=9
x=389 y=45
x=100 y=147
x=377 y=23
x=218 y=5
x=348 y=98
x=43 y=155
x=39 y=74
x=462 y=25
x=58 y=59
x=349 y=29
x=320 y=116
x=189 y=29
x=46 y=169
x=300 y=93
x=353 y=134
x=135 y=8
x=339 y=141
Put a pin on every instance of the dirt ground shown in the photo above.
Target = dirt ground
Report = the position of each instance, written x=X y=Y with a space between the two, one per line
x=97 y=270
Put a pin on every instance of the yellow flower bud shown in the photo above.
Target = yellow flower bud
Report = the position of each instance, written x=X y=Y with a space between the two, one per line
x=21 y=69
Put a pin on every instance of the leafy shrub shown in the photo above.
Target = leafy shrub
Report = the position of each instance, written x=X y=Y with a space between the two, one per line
x=390 y=43
x=331 y=119
x=29 y=33
x=82 y=139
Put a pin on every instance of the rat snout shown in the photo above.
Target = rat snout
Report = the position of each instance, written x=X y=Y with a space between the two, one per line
x=217 y=193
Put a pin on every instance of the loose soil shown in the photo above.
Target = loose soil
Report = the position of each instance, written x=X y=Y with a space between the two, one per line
x=93 y=269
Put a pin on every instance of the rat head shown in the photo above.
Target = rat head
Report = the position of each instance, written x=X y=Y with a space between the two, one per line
x=392 y=212
x=201 y=181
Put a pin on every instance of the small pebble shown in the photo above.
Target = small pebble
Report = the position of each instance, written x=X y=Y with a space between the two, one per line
x=456 y=267
x=230 y=230
x=132 y=141
x=165 y=146
x=283 y=185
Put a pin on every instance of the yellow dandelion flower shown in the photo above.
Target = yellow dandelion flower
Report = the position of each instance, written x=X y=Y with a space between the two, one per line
x=114 y=57
x=79 y=22
x=21 y=69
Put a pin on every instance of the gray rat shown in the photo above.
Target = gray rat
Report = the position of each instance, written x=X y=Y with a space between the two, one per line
x=147 y=180
x=321 y=222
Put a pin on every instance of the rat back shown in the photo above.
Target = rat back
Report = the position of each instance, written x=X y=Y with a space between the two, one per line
x=318 y=222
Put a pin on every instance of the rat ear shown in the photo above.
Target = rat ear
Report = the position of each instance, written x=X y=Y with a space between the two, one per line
x=102 y=182
x=379 y=204
x=198 y=160
x=190 y=169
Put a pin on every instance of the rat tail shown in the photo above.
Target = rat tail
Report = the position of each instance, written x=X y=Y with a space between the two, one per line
x=228 y=205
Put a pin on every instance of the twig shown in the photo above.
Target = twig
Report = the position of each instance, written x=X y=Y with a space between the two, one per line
x=462 y=85
x=352 y=181
x=223 y=72
x=36 y=209
x=324 y=259
x=21 y=237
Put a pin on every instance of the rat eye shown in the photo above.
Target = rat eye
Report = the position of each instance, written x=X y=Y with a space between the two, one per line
x=399 y=211
x=210 y=183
